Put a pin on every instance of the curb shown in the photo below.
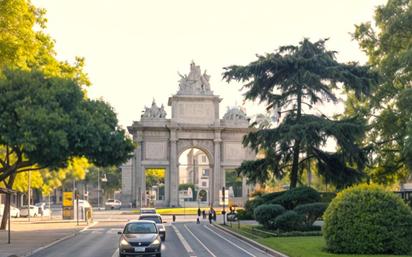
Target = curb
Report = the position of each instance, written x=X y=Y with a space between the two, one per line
x=30 y=253
x=252 y=242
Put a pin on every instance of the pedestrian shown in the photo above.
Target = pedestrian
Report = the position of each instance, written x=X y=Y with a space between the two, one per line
x=214 y=215
x=204 y=214
x=199 y=212
x=210 y=216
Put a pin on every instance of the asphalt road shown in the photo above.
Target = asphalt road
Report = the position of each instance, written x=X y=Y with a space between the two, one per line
x=184 y=239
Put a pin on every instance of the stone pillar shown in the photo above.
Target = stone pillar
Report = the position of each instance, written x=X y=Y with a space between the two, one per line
x=217 y=173
x=174 y=176
x=138 y=178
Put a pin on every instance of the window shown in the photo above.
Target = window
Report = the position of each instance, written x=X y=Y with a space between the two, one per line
x=203 y=158
x=205 y=172
x=204 y=183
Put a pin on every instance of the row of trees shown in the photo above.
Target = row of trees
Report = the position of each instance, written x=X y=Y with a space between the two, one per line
x=373 y=136
x=48 y=125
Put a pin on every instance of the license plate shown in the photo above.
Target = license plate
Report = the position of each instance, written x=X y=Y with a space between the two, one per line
x=139 y=249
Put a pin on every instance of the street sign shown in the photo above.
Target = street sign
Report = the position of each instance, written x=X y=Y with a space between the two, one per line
x=226 y=202
x=67 y=199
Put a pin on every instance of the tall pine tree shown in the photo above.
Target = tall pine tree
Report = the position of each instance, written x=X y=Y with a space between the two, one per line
x=293 y=80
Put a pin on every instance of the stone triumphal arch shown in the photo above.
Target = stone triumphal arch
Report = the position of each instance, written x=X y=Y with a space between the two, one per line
x=194 y=150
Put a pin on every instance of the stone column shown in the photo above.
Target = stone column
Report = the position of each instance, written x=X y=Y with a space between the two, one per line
x=138 y=176
x=174 y=176
x=217 y=173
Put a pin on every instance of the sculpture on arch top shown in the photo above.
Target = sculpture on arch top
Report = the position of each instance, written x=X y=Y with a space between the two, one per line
x=154 y=112
x=194 y=83
x=235 y=113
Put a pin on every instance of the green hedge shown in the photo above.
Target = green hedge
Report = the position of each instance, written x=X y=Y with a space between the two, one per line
x=266 y=214
x=366 y=219
x=297 y=196
x=289 y=221
x=311 y=212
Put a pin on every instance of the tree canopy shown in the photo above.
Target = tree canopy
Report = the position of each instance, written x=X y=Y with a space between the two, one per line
x=46 y=122
x=292 y=81
x=388 y=44
x=24 y=44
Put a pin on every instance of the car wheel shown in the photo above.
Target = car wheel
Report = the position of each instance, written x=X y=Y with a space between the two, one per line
x=163 y=238
x=158 y=255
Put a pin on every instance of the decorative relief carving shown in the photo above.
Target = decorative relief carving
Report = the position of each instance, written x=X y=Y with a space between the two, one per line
x=195 y=112
x=195 y=135
x=233 y=151
x=156 y=134
x=156 y=150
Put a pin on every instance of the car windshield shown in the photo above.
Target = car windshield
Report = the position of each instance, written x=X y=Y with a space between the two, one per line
x=110 y=201
x=140 y=228
x=156 y=219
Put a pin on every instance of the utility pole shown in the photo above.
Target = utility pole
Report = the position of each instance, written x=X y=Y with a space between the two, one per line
x=223 y=212
x=98 y=189
x=29 y=195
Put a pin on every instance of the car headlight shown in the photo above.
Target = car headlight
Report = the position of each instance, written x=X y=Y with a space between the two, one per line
x=124 y=242
x=156 y=242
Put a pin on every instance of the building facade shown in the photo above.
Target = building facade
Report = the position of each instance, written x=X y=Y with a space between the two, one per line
x=195 y=148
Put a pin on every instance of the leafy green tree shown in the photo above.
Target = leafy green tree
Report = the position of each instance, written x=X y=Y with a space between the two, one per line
x=388 y=44
x=25 y=45
x=293 y=80
x=46 y=122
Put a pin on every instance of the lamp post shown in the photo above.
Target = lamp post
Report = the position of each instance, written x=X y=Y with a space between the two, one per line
x=29 y=194
x=103 y=179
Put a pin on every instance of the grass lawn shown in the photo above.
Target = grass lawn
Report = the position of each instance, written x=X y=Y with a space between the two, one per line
x=306 y=246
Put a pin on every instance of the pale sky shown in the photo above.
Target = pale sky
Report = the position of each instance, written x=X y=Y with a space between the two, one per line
x=134 y=48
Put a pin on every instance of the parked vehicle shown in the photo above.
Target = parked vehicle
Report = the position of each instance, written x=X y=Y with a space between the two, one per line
x=14 y=212
x=147 y=210
x=159 y=223
x=112 y=204
x=140 y=237
x=24 y=211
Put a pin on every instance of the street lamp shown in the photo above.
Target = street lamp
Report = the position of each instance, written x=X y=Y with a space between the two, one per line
x=103 y=179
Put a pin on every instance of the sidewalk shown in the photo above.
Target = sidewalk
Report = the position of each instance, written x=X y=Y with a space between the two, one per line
x=27 y=237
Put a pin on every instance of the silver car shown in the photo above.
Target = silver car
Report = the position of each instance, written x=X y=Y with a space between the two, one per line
x=159 y=223
x=140 y=237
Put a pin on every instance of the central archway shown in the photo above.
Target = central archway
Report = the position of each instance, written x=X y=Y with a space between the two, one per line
x=194 y=178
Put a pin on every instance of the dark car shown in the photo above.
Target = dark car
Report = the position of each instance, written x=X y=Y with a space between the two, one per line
x=159 y=223
x=140 y=237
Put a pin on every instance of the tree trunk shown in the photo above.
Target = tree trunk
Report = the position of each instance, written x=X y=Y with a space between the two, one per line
x=9 y=185
x=295 y=165
x=296 y=148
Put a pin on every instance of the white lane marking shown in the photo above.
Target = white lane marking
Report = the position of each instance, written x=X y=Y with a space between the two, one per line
x=230 y=242
x=116 y=253
x=200 y=242
x=244 y=242
x=186 y=245
x=88 y=227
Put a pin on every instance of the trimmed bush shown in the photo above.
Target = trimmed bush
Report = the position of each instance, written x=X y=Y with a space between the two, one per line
x=266 y=214
x=366 y=219
x=271 y=196
x=243 y=215
x=289 y=221
x=297 y=196
x=311 y=211
x=251 y=205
